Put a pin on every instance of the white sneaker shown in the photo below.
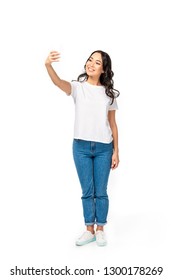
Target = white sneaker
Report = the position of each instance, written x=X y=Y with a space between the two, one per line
x=100 y=238
x=85 y=238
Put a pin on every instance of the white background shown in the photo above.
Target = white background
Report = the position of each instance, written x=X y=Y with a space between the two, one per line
x=41 y=210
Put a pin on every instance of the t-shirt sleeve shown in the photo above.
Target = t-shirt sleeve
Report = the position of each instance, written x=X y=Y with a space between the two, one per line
x=74 y=86
x=113 y=106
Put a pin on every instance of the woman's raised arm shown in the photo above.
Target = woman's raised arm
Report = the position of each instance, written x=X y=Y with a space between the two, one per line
x=65 y=86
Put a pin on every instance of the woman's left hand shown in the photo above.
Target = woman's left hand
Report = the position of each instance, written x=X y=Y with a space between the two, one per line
x=115 y=160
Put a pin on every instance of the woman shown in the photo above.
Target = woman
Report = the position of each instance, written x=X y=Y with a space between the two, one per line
x=95 y=144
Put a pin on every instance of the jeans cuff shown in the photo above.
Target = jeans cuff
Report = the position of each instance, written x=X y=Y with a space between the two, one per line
x=101 y=224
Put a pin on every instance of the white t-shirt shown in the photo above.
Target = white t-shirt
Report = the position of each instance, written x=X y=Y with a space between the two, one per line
x=91 y=112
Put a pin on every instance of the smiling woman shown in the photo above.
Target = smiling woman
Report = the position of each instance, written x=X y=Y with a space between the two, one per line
x=94 y=65
x=99 y=65
x=95 y=144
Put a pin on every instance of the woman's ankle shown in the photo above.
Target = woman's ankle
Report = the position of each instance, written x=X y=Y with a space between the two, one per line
x=99 y=228
x=91 y=229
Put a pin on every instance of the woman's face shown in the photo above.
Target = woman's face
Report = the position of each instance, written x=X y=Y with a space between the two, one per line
x=94 y=65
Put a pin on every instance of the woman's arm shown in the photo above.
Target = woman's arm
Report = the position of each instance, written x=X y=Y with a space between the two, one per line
x=65 y=86
x=114 y=129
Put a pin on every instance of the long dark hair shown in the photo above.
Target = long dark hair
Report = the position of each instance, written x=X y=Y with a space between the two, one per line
x=106 y=78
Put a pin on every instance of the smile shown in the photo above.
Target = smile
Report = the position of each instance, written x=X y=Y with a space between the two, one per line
x=91 y=69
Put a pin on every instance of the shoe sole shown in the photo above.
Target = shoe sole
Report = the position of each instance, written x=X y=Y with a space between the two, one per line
x=85 y=242
x=101 y=244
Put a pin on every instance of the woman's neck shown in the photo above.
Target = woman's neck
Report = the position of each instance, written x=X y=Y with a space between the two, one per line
x=93 y=82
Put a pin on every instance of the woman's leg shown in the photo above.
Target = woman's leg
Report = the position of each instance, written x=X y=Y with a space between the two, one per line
x=102 y=166
x=84 y=166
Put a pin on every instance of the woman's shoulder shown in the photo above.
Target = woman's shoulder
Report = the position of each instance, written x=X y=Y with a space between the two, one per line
x=77 y=87
x=77 y=84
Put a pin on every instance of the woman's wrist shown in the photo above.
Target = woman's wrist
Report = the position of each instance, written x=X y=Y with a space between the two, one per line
x=47 y=63
x=116 y=151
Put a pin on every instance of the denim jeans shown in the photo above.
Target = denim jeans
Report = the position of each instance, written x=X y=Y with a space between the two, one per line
x=93 y=164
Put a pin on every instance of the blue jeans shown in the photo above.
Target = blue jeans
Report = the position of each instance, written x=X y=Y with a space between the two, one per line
x=93 y=164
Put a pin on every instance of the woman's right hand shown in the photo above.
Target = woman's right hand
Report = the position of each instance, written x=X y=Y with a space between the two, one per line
x=65 y=86
x=53 y=56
